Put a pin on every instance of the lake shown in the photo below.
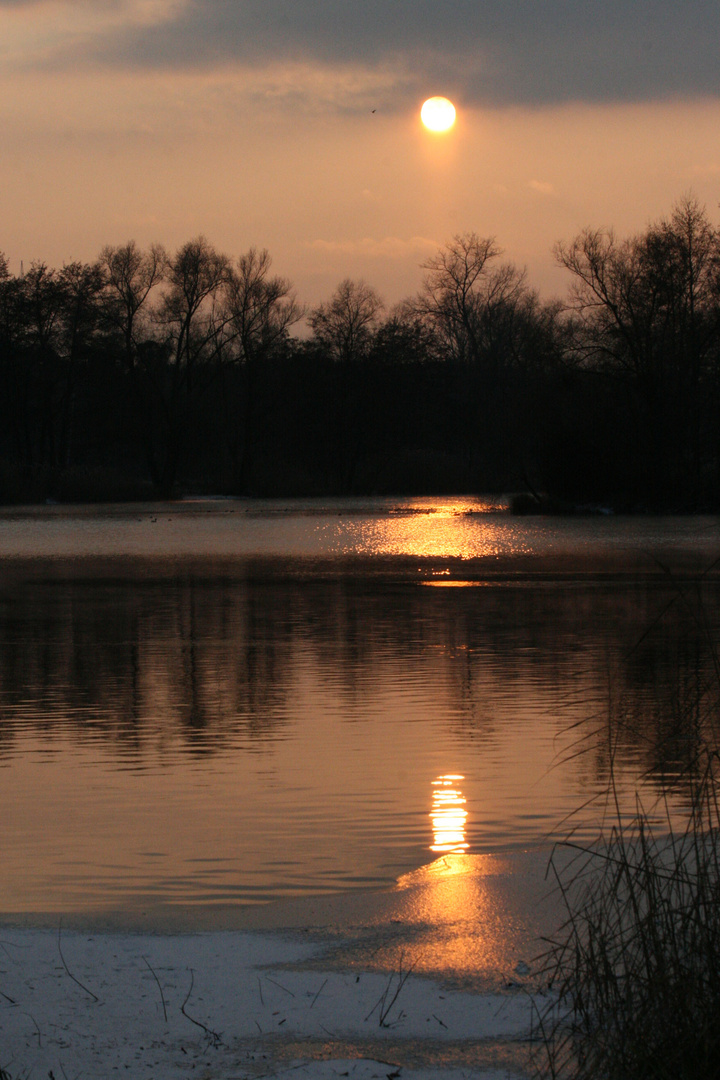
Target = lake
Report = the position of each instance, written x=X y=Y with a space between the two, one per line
x=210 y=704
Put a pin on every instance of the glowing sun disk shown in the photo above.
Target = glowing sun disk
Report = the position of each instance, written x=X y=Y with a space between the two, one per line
x=438 y=114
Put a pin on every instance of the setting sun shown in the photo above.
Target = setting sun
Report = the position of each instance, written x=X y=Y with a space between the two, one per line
x=438 y=114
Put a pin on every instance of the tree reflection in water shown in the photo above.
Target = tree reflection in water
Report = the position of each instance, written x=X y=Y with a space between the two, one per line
x=290 y=724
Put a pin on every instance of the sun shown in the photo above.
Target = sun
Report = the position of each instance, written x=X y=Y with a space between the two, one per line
x=438 y=114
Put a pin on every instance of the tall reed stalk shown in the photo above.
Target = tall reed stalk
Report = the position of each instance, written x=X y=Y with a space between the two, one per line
x=634 y=972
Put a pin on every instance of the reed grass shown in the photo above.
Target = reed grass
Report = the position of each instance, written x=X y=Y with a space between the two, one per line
x=633 y=975
x=635 y=972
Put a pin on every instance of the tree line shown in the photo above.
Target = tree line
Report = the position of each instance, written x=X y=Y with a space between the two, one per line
x=149 y=374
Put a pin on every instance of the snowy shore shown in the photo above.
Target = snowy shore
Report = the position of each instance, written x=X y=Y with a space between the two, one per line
x=428 y=981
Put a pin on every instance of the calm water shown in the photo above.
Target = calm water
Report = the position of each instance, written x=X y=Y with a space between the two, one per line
x=223 y=703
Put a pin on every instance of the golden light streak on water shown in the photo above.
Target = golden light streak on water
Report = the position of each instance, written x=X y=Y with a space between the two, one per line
x=448 y=815
x=454 y=529
x=464 y=911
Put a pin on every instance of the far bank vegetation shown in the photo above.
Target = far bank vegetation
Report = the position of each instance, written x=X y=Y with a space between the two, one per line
x=150 y=374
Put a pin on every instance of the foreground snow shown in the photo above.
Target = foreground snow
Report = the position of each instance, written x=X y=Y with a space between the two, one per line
x=230 y=1004
x=427 y=981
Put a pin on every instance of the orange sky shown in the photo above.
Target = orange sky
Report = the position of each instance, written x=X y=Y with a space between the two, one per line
x=133 y=119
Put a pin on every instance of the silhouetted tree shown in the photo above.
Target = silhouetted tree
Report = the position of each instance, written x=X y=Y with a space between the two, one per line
x=344 y=332
x=132 y=279
x=194 y=326
x=131 y=275
x=468 y=299
x=50 y=330
x=260 y=309
x=4 y=280
x=81 y=286
x=648 y=313
x=183 y=367
x=345 y=324
x=684 y=254
x=484 y=318
x=36 y=375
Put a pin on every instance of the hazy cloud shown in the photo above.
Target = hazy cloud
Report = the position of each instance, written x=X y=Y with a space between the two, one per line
x=390 y=247
x=483 y=51
x=541 y=186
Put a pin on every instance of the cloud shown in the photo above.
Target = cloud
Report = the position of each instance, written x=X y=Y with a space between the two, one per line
x=541 y=186
x=390 y=247
x=48 y=33
x=484 y=52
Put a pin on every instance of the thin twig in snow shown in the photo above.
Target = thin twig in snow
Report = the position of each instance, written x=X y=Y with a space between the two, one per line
x=212 y=1035
x=162 y=996
x=318 y=994
x=39 y=1035
x=69 y=972
x=382 y=1001
x=280 y=985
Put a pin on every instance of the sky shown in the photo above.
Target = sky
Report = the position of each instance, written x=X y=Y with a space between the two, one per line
x=295 y=125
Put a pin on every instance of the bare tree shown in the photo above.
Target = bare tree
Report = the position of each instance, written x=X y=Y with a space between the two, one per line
x=638 y=298
x=647 y=310
x=81 y=286
x=613 y=298
x=469 y=300
x=8 y=303
x=50 y=328
x=130 y=277
x=484 y=320
x=195 y=276
x=260 y=309
x=683 y=254
x=41 y=308
x=344 y=325
x=37 y=372
x=344 y=331
x=194 y=323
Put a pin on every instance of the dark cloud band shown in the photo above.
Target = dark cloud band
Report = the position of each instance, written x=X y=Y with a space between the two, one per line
x=492 y=52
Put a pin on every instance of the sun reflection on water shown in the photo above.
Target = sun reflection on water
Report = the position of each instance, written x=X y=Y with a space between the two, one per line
x=448 y=815
x=457 y=529
x=465 y=912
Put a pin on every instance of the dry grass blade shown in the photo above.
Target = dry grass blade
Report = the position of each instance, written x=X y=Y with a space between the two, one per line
x=635 y=969
x=69 y=972
x=385 y=1002
x=162 y=996
x=214 y=1037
